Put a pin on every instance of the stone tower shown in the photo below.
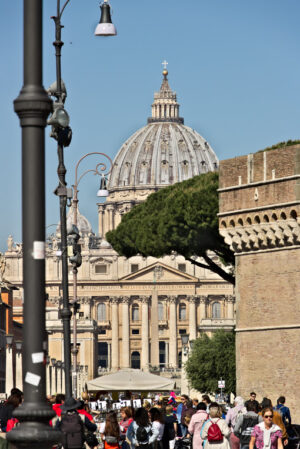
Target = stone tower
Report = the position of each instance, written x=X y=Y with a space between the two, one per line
x=260 y=220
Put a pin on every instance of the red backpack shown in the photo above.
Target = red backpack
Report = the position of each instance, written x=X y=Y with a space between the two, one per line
x=214 y=433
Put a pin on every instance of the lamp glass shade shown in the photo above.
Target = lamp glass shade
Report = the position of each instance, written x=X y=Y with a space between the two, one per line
x=102 y=193
x=18 y=345
x=9 y=339
x=53 y=361
x=185 y=339
x=62 y=117
x=58 y=364
x=105 y=29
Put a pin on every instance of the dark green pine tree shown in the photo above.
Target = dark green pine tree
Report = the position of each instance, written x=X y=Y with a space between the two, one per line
x=181 y=218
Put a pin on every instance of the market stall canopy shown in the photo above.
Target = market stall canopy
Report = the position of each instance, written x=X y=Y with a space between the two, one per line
x=131 y=380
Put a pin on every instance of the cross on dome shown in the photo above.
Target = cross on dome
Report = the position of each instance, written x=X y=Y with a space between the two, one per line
x=164 y=64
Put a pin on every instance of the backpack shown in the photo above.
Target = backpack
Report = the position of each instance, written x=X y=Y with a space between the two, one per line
x=169 y=431
x=246 y=428
x=73 y=431
x=11 y=423
x=214 y=433
x=142 y=435
x=282 y=410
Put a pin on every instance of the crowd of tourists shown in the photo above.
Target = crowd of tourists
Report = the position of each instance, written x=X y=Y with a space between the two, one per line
x=179 y=423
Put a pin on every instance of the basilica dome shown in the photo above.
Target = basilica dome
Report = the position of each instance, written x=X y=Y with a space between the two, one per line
x=163 y=152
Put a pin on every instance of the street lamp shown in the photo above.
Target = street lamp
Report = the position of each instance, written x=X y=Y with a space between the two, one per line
x=62 y=133
x=185 y=341
x=101 y=170
x=33 y=106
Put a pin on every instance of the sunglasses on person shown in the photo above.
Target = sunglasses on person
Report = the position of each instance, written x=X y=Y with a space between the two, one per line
x=268 y=416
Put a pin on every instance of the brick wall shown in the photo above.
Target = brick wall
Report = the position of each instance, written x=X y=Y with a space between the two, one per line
x=262 y=188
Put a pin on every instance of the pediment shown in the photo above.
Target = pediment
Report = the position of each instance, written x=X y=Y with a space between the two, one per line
x=169 y=274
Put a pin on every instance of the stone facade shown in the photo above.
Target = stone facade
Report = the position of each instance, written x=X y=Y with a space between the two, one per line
x=259 y=218
x=128 y=315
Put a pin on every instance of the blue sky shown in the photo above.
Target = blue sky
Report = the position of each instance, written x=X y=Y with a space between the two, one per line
x=234 y=64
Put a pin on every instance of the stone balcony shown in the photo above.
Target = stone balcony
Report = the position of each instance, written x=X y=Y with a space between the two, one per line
x=213 y=324
x=104 y=324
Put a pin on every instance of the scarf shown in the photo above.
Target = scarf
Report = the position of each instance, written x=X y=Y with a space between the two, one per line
x=267 y=435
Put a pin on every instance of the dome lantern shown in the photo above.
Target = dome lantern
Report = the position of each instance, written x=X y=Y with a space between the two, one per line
x=165 y=107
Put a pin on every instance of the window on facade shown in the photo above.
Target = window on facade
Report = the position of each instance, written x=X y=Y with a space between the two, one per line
x=216 y=310
x=182 y=312
x=103 y=354
x=182 y=331
x=101 y=312
x=180 y=359
x=135 y=312
x=161 y=312
x=135 y=331
x=100 y=269
x=102 y=332
x=182 y=267
x=134 y=267
x=135 y=360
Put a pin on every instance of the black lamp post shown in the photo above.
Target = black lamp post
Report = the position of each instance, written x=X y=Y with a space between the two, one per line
x=62 y=133
x=33 y=107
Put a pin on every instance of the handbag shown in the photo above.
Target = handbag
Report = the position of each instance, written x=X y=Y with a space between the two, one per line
x=91 y=439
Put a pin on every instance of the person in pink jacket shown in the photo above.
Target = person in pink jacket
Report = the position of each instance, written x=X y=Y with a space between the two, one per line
x=196 y=424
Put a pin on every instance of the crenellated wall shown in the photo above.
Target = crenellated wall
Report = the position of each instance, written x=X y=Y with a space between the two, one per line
x=260 y=219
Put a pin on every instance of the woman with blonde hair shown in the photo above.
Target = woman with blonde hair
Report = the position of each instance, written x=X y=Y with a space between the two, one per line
x=266 y=435
x=215 y=431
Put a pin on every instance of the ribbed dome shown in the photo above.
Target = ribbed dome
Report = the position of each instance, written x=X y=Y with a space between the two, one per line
x=163 y=152
x=83 y=224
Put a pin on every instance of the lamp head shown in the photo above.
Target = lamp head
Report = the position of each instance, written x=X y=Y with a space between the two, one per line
x=185 y=339
x=9 y=339
x=18 y=345
x=105 y=27
x=60 y=117
x=103 y=192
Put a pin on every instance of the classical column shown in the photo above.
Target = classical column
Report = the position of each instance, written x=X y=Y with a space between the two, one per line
x=48 y=379
x=192 y=317
x=59 y=380
x=167 y=355
x=53 y=380
x=202 y=300
x=172 y=332
x=145 y=333
x=109 y=356
x=125 y=332
x=9 y=378
x=230 y=306
x=19 y=377
x=114 y=333
x=154 y=329
x=63 y=382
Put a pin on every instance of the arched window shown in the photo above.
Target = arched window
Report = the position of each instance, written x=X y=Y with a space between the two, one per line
x=135 y=312
x=161 y=312
x=216 y=310
x=135 y=360
x=101 y=312
x=182 y=312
